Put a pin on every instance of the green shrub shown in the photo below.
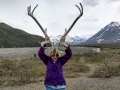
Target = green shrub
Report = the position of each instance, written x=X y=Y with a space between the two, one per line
x=106 y=72
x=2 y=72
x=94 y=57
x=7 y=64
x=73 y=68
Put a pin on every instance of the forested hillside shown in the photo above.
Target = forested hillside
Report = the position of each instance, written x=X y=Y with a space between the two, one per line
x=12 y=37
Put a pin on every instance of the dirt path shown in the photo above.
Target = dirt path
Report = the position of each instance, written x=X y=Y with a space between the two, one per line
x=81 y=83
x=92 y=69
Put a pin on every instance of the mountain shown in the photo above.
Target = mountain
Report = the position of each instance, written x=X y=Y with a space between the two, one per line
x=110 y=34
x=12 y=37
x=70 y=39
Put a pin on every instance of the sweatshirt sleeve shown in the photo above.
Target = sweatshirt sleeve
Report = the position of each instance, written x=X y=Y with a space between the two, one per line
x=42 y=55
x=67 y=56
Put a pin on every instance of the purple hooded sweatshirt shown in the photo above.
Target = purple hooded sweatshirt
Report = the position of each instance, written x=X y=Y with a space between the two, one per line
x=54 y=71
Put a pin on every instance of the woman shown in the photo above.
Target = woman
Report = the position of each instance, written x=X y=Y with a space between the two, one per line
x=54 y=79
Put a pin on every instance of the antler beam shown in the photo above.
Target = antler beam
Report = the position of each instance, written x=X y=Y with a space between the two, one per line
x=31 y=14
x=81 y=13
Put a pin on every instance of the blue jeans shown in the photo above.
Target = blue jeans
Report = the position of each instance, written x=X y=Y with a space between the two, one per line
x=49 y=88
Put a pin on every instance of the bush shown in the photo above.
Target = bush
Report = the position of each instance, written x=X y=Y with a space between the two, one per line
x=106 y=72
x=7 y=64
x=20 y=72
x=94 y=57
x=2 y=72
x=74 y=67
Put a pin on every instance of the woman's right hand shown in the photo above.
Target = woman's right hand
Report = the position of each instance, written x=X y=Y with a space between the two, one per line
x=46 y=38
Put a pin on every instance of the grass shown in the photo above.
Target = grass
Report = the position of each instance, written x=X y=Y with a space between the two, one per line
x=106 y=72
x=21 y=72
x=73 y=68
x=30 y=70
x=108 y=60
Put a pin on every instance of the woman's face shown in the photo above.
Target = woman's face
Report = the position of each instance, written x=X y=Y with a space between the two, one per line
x=54 y=57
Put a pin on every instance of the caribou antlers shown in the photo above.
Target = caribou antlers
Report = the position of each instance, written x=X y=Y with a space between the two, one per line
x=81 y=13
x=31 y=14
x=45 y=31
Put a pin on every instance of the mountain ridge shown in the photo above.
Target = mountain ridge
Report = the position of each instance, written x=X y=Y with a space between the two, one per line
x=12 y=37
x=71 y=39
x=110 y=34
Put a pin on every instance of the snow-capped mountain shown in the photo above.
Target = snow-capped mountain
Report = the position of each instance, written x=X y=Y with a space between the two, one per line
x=107 y=35
x=71 y=39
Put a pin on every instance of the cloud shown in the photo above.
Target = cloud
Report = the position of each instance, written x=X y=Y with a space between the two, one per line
x=112 y=0
x=54 y=24
x=117 y=14
x=91 y=3
x=56 y=15
x=58 y=1
x=90 y=18
x=93 y=19
x=72 y=16
x=53 y=27
x=8 y=0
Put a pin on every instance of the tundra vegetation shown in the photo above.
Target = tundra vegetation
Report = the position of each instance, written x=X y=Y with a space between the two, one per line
x=91 y=64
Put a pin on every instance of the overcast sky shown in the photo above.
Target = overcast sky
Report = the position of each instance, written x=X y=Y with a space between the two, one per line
x=56 y=15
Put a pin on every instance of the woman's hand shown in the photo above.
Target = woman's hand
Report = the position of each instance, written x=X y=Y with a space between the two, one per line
x=46 y=38
x=63 y=39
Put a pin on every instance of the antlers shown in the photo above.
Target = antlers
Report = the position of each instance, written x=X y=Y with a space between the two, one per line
x=45 y=31
x=81 y=13
x=31 y=14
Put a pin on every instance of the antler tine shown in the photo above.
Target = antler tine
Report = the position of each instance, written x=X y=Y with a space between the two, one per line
x=34 y=8
x=72 y=42
x=31 y=14
x=81 y=13
x=81 y=10
x=46 y=31
x=38 y=41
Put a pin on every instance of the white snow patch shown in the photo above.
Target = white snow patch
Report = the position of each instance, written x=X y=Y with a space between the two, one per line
x=116 y=40
x=99 y=40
